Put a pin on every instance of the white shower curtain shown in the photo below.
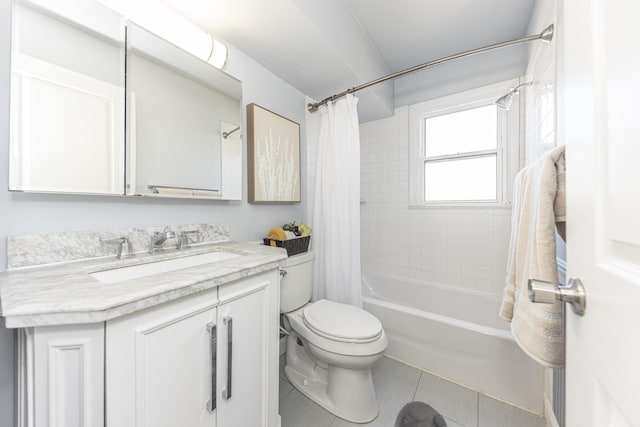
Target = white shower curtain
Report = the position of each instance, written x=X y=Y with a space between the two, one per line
x=336 y=209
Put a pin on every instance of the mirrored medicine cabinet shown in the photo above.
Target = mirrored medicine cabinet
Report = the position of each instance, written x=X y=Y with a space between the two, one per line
x=171 y=129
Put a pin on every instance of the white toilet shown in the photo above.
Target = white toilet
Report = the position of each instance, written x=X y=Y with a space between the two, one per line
x=331 y=346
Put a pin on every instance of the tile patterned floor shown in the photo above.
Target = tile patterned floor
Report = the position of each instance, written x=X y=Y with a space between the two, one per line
x=397 y=384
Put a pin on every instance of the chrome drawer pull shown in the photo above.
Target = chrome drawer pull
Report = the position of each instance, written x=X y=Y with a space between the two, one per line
x=213 y=342
x=228 y=321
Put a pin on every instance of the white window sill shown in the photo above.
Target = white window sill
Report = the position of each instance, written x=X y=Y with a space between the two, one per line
x=462 y=205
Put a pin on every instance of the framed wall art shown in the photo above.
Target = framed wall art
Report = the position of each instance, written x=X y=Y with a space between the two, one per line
x=273 y=157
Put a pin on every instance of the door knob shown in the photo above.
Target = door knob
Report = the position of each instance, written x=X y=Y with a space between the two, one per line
x=548 y=293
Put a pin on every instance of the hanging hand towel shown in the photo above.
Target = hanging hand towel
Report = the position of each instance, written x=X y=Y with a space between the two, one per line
x=560 y=204
x=537 y=328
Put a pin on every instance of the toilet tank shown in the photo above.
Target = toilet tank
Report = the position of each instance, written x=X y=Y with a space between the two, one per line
x=295 y=287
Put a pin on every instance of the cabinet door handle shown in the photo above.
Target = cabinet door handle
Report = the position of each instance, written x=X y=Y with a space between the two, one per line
x=213 y=342
x=228 y=321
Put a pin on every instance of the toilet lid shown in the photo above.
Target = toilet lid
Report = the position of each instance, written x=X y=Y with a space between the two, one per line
x=341 y=322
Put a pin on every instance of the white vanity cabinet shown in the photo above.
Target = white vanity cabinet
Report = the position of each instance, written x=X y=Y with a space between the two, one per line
x=61 y=382
x=155 y=366
x=159 y=361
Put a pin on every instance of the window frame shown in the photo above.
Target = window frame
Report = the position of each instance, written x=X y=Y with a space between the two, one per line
x=507 y=149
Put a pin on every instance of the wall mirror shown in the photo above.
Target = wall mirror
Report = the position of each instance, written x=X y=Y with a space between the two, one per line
x=67 y=99
x=68 y=126
x=183 y=123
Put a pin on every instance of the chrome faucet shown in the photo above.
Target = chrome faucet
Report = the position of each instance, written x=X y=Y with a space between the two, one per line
x=125 y=248
x=183 y=239
x=158 y=238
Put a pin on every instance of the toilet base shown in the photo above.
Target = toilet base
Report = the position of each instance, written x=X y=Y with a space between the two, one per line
x=346 y=393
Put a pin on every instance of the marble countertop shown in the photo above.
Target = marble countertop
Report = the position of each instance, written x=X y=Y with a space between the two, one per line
x=66 y=293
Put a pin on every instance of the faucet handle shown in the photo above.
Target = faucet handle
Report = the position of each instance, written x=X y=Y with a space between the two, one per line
x=125 y=249
x=183 y=238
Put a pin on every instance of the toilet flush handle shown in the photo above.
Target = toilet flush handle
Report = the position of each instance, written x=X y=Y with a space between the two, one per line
x=283 y=273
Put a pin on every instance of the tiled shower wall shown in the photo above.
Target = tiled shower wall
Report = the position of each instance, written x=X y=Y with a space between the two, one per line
x=461 y=247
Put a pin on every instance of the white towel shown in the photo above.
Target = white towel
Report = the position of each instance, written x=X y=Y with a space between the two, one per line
x=206 y=193
x=560 y=204
x=174 y=191
x=537 y=328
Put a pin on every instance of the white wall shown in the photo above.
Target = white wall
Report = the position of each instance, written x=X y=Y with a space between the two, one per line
x=39 y=213
x=461 y=247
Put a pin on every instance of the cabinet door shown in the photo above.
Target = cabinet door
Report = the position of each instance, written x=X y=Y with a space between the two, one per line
x=248 y=352
x=159 y=365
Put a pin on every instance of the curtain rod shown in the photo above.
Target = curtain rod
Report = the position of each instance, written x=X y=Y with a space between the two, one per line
x=546 y=35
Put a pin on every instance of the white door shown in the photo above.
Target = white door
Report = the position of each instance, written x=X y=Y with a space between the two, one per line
x=599 y=120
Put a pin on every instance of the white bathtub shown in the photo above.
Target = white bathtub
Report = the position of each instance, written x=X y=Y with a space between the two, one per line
x=455 y=334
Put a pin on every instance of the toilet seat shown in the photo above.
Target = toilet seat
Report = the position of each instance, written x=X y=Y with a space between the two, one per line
x=347 y=347
x=341 y=322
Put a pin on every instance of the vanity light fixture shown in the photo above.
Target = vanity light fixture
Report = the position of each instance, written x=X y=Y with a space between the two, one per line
x=176 y=29
x=219 y=54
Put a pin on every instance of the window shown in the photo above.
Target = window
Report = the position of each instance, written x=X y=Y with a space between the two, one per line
x=459 y=149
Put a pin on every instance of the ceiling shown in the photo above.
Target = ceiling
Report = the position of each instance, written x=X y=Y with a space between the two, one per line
x=325 y=47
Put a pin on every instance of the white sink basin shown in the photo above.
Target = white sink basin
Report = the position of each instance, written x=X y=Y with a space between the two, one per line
x=116 y=275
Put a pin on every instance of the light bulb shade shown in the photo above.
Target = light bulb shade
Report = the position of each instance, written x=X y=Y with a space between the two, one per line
x=176 y=29
x=219 y=54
